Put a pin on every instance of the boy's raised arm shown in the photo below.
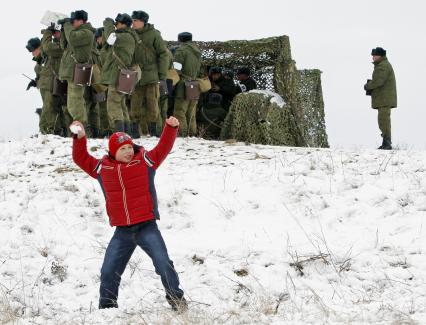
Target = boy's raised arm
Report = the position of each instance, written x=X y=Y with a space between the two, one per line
x=79 y=150
x=167 y=139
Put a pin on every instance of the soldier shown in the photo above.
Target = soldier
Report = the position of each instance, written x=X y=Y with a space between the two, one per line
x=52 y=114
x=165 y=101
x=188 y=63
x=77 y=42
x=382 y=89
x=245 y=82
x=121 y=42
x=151 y=55
x=216 y=102
x=104 y=127
x=34 y=47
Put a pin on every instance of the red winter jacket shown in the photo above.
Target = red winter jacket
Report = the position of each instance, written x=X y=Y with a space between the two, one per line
x=129 y=189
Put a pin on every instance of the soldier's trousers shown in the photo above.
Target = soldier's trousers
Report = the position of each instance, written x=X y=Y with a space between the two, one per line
x=116 y=106
x=163 y=105
x=92 y=110
x=144 y=105
x=185 y=112
x=104 y=126
x=75 y=102
x=51 y=119
x=384 y=119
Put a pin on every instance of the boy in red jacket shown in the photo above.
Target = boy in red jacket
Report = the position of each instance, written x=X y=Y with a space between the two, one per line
x=126 y=176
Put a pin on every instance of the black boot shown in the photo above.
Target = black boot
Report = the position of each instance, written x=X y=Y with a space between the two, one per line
x=387 y=144
x=119 y=126
x=127 y=127
x=152 y=129
x=134 y=130
x=95 y=133
x=383 y=143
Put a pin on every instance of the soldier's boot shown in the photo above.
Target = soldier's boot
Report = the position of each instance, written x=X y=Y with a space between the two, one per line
x=118 y=126
x=134 y=130
x=127 y=128
x=152 y=129
x=383 y=142
x=95 y=133
x=387 y=144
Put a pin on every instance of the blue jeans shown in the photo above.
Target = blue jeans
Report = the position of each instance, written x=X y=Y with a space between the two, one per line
x=121 y=247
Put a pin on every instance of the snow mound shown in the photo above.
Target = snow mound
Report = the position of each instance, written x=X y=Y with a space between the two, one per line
x=275 y=98
x=258 y=234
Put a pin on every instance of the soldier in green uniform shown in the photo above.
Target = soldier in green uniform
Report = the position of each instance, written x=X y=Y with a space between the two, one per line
x=77 y=42
x=151 y=55
x=104 y=127
x=187 y=61
x=120 y=48
x=382 y=89
x=34 y=47
x=52 y=113
x=214 y=105
x=166 y=100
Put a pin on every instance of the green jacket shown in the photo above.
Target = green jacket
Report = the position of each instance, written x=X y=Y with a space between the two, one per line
x=189 y=55
x=382 y=85
x=123 y=48
x=77 y=44
x=37 y=68
x=151 y=55
x=53 y=53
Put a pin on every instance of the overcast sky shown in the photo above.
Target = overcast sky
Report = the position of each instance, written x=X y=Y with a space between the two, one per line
x=334 y=36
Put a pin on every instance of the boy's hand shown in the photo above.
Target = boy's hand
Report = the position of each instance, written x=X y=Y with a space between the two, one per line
x=173 y=121
x=77 y=127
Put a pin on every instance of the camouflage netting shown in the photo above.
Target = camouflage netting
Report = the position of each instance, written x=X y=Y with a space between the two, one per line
x=273 y=69
x=254 y=118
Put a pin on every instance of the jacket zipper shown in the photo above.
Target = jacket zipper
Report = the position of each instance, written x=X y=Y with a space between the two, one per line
x=124 y=195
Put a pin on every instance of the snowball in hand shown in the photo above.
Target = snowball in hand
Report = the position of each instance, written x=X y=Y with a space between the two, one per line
x=75 y=128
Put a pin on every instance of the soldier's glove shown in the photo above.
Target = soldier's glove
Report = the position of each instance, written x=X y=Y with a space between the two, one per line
x=111 y=39
x=51 y=28
x=32 y=83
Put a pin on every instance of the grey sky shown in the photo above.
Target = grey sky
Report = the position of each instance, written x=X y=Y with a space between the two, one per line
x=333 y=36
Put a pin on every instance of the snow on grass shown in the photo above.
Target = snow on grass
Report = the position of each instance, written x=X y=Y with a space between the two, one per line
x=258 y=234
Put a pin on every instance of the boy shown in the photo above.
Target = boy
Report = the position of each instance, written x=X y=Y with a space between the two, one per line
x=126 y=177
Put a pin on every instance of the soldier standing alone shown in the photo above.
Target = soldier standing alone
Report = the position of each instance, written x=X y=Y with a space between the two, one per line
x=382 y=89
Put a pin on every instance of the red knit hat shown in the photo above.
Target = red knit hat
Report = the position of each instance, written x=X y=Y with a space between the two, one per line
x=117 y=140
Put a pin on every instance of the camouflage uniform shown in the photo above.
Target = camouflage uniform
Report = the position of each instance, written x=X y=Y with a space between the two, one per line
x=52 y=117
x=78 y=45
x=152 y=57
x=383 y=94
x=119 y=55
x=189 y=55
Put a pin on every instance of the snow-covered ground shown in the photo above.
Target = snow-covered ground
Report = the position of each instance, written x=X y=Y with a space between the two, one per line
x=258 y=235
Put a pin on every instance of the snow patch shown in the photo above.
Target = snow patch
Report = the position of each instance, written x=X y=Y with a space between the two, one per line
x=275 y=98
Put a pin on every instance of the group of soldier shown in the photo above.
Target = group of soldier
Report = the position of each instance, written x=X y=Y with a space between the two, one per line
x=131 y=46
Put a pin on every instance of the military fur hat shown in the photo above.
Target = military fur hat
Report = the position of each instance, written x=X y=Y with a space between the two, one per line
x=184 y=37
x=378 y=51
x=243 y=70
x=99 y=32
x=79 y=15
x=140 y=15
x=124 y=19
x=33 y=43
